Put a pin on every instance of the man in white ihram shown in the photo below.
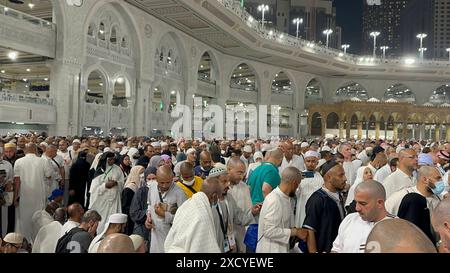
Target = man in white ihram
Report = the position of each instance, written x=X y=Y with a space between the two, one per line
x=193 y=229
x=276 y=217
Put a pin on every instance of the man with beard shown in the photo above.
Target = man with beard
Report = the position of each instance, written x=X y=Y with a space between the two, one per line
x=203 y=169
x=325 y=209
x=354 y=229
x=227 y=213
x=275 y=222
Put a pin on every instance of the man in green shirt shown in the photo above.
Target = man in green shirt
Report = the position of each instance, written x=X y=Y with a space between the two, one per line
x=266 y=177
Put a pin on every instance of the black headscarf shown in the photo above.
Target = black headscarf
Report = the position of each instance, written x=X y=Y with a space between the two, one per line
x=124 y=167
x=414 y=209
x=102 y=163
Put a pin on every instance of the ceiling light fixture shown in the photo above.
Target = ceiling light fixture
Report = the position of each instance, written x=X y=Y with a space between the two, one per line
x=13 y=55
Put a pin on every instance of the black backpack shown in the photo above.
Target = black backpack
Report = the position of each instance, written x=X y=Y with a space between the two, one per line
x=62 y=245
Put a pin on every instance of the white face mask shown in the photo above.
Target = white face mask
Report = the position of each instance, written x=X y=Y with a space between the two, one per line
x=149 y=182
x=189 y=183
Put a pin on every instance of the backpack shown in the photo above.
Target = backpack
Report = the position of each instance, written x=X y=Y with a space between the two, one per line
x=63 y=243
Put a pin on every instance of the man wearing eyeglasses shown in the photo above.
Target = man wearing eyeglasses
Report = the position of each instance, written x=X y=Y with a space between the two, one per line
x=403 y=176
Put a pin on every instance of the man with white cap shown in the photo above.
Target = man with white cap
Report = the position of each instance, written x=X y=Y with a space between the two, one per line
x=157 y=146
x=74 y=149
x=116 y=224
x=290 y=159
x=13 y=242
x=227 y=213
x=311 y=182
x=257 y=158
x=246 y=156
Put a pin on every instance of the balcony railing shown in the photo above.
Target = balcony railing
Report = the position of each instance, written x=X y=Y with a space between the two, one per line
x=7 y=96
x=6 y=11
x=327 y=52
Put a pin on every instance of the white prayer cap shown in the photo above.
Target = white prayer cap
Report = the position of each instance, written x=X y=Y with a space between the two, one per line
x=250 y=141
x=156 y=144
x=191 y=151
x=399 y=148
x=258 y=155
x=120 y=143
x=137 y=240
x=217 y=171
x=44 y=144
x=124 y=151
x=13 y=238
x=304 y=145
x=312 y=154
x=107 y=149
x=326 y=149
x=117 y=218
x=76 y=141
x=248 y=149
x=132 y=151
x=266 y=147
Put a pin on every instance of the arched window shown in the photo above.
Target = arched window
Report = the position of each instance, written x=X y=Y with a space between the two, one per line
x=313 y=93
x=316 y=124
x=120 y=92
x=351 y=90
x=282 y=84
x=113 y=37
x=205 y=68
x=354 y=122
x=400 y=93
x=332 y=121
x=96 y=92
x=372 y=121
x=157 y=101
x=102 y=32
x=244 y=78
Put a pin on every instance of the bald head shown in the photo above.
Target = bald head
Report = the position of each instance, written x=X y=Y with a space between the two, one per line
x=30 y=148
x=235 y=162
x=374 y=188
x=60 y=215
x=75 y=212
x=205 y=160
x=441 y=213
x=116 y=243
x=211 y=187
x=398 y=236
x=291 y=175
x=275 y=157
x=427 y=172
x=164 y=177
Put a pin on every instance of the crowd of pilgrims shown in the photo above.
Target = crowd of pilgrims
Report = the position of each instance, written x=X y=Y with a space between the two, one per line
x=140 y=194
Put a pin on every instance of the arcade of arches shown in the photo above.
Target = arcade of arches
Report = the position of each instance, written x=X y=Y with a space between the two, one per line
x=383 y=120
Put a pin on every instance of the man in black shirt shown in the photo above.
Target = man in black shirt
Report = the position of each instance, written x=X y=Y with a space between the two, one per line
x=325 y=209
x=82 y=236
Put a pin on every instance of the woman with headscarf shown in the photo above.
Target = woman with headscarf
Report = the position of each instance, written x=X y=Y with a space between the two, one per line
x=125 y=165
x=155 y=161
x=106 y=188
x=131 y=187
x=138 y=208
x=363 y=174
x=78 y=179
x=167 y=160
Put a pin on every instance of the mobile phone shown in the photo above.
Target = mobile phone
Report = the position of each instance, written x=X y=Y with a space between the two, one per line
x=308 y=174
